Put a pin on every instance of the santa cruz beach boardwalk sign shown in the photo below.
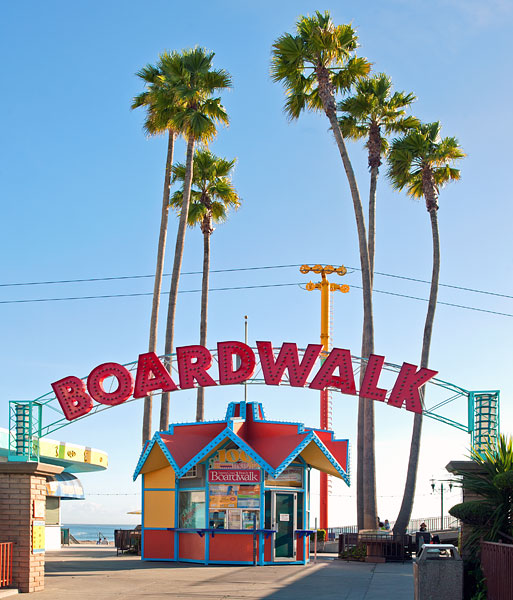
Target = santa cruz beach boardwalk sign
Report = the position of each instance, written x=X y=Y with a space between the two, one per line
x=194 y=365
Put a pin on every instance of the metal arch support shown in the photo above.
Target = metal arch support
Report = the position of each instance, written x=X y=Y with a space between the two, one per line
x=482 y=409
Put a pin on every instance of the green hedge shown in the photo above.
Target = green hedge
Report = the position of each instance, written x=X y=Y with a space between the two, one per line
x=474 y=512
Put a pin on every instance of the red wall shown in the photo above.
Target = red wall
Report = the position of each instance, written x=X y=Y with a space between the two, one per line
x=159 y=544
x=191 y=546
x=268 y=548
x=235 y=547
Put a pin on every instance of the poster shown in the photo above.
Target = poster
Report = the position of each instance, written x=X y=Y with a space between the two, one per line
x=234 y=496
x=249 y=496
x=38 y=537
x=291 y=477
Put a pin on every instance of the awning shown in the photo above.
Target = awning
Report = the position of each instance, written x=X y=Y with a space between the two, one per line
x=65 y=486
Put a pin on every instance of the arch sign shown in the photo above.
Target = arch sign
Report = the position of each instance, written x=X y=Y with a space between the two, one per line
x=193 y=362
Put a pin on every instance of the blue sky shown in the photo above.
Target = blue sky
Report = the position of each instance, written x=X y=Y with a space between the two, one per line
x=81 y=190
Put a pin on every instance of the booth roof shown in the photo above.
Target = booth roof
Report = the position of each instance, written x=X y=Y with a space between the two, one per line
x=271 y=444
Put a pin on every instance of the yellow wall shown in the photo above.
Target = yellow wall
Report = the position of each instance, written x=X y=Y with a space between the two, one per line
x=159 y=509
x=162 y=478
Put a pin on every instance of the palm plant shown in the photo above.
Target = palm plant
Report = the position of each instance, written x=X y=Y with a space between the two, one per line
x=421 y=161
x=212 y=196
x=197 y=116
x=314 y=65
x=491 y=517
x=160 y=101
x=372 y=113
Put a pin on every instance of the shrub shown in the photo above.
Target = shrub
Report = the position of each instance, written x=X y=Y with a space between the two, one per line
x=475 y=512
x=357 y=553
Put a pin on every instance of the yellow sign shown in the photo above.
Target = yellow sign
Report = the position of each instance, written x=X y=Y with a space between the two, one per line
x=38 y=537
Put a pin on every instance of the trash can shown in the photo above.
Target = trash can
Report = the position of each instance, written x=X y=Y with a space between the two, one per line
x=438 y=573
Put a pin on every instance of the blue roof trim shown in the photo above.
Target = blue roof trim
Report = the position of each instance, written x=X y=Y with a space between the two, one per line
x=249 y=450
x=331 y=458
x=226 y=433
x=205 y=451
x=144 y=455
x=172 y=426
x=167 y=454
x=297 y=450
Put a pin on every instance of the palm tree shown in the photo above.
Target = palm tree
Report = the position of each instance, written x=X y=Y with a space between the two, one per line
x=372 y=113
x=198 y=113
x=160 y=102
x=421 y=161
x=491 y=513
x=313 y=65
x=212 y=195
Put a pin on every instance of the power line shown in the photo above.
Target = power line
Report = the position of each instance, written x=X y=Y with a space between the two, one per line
x=492 y=312
x=223 y=289
x=246 y=287
x=240 y=269
x=122 y=277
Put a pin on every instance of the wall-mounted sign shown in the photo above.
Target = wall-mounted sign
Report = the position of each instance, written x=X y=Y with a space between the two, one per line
x=194 y=363
x=233 y=458
x=39 y=509
x=290 y=477
x=234 y=476
x=38 y=537
x=234 y=496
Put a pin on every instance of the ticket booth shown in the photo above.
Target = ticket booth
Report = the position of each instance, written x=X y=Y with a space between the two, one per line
x=234 y=491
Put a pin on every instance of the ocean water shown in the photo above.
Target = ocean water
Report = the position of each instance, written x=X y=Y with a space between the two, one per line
x=93 y=532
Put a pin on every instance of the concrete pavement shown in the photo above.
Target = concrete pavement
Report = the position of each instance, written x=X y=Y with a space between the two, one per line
x=96 y=573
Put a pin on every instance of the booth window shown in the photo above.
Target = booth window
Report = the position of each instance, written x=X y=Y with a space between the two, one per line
x=234 y=506
x=300 y=511
x=267 y=522
x=191 y=509
x=195 y=477
x=52 y=510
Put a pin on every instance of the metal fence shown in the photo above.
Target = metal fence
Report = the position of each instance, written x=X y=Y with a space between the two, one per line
x=432 y=524
x=5 y=564
x=497 y=565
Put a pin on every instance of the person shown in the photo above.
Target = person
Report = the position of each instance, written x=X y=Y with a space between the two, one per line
x=423 y=527
x=386 y=525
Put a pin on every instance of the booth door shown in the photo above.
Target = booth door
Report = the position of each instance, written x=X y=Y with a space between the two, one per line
x=285 y=524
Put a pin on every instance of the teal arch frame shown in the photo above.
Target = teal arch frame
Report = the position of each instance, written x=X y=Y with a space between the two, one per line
x=43 y=415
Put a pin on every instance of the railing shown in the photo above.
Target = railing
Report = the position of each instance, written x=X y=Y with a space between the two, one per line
x=390 y=547
x=497 y=565
x=5 y=564
x=432 y=524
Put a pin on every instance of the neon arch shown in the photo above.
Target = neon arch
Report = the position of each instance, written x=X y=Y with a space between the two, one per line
x=30 y=420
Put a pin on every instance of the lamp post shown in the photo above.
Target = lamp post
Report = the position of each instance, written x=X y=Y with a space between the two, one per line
x=441 y=490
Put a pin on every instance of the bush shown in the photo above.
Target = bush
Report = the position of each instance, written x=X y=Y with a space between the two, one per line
x=474 y=512
x=504 y=481
x=321 y=535
x=357 y=553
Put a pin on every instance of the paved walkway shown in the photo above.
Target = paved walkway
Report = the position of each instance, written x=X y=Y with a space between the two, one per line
x=97 y=574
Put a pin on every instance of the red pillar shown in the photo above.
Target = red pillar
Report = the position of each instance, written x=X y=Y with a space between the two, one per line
x=323 y=508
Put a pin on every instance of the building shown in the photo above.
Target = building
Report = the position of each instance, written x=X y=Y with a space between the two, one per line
x=234 y=491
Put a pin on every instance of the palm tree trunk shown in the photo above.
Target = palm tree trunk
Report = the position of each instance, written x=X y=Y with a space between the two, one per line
x=366 y=487
x=411 y=477
x=157 y=286
x=175 y=276
x=372 y=218
x=200 y=401
x=367 y=496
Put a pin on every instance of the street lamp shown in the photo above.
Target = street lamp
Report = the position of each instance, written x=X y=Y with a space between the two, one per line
x=441 y=490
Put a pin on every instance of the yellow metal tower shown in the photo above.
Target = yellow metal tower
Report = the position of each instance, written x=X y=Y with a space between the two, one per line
x=326 y=288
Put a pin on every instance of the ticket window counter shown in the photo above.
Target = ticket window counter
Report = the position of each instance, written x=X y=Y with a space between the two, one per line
x=234 y=518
